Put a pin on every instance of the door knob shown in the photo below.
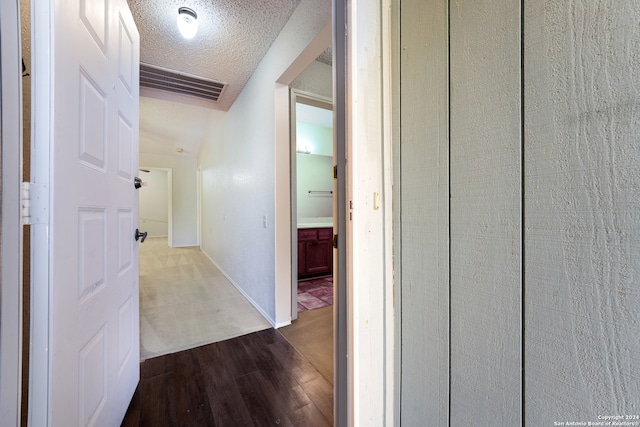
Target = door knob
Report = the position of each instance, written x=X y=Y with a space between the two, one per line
x=137 y=182
x=142 y=235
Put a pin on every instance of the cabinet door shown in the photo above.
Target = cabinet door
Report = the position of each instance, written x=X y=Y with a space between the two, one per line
x=318 y=257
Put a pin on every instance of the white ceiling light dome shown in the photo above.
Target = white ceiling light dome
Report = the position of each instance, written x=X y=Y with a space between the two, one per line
x=187 y=22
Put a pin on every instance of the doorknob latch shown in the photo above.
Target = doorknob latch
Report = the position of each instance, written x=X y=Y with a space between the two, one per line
x=140 y=235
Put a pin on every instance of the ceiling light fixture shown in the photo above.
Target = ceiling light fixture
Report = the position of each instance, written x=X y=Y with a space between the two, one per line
x=187 y=22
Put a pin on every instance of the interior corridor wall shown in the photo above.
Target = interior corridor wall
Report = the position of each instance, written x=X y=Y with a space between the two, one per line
x=238 y=167
x=520 y=215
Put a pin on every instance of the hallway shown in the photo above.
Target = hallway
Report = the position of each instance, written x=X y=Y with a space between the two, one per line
x=185 y=301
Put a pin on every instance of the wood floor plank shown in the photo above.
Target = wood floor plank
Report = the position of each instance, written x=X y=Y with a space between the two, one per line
x=158 y=402
x=301 y=369
x=156 y=366
x=225 y=400
x=321 y=394
x=276 y=374
x=309 y=415
x=132 y=416
x=239 y=361
x=254 y=380
x=192 y=402
x=318 y=350
x=262 y=401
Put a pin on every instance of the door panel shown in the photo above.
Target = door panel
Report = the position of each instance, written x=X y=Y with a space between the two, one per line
x=94 y=331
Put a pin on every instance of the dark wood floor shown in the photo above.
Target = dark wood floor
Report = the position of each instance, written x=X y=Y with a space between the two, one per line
x=254 y=380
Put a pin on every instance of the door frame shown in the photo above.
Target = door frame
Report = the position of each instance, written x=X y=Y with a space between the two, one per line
x=11 y=235
x=42 y=55
x=169 y=172
x=307 y=98
x=366 y=108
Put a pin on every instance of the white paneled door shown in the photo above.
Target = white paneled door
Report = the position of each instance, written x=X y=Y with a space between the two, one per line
x=93 y=326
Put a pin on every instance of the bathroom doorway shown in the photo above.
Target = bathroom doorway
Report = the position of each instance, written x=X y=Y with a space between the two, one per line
x=312 y=202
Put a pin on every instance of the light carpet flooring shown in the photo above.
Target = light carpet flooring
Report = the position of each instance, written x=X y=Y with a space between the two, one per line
x=185 y=301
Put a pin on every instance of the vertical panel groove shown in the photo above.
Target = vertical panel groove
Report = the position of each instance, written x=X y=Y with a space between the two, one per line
x=399 y=222
x=449 y=192
x=522 y=213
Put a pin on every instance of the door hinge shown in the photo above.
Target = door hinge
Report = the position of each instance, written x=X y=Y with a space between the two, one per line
x=35 y=203
x=335 y=241
x=335 y=172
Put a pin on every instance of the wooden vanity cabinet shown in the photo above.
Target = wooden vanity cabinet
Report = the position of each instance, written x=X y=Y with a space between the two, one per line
x=315 y=251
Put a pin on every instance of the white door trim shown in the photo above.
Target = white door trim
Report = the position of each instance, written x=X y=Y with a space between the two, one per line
x=198 y=207
x=369 y=235
x=42 y=55
x=282 y=146
x=11 y=257
x=298 y=97
x=169 y=172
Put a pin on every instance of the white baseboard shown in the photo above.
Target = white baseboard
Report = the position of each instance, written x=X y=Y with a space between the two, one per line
x=282 y=324
x=253 y=303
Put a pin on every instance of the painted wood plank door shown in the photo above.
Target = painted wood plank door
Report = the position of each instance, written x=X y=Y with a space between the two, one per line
x=93 y=270
x=424 y=213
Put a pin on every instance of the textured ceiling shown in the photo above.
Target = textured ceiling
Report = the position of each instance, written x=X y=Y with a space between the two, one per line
x=326 y=57
x=232 y=38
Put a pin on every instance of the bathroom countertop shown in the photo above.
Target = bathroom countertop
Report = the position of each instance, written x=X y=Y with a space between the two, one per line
x=317 y=222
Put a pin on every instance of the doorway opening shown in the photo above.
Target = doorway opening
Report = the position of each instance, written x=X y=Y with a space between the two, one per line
x=311 y=201
x=312 y=229
x=155 y=202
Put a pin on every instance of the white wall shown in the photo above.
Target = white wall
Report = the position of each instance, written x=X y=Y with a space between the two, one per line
x=153 y=203
x=184 y=197
x=314 y=173
x=238 y=173
x=319 y=139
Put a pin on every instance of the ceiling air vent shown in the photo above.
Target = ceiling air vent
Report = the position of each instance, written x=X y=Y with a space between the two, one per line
x=171 y=81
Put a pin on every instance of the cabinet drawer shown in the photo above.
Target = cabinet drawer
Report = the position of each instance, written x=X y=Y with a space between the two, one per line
x=325 y=233
x=307 y=234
